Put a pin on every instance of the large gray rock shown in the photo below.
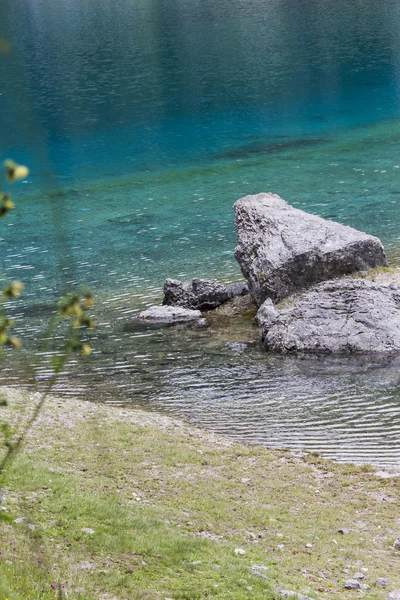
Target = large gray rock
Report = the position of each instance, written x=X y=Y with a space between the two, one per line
x=200 y=294
x=336 y=317
x=282 y=250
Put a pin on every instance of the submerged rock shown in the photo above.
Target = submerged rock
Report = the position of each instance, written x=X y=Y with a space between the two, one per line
x=282 y=250
x=168 y=314
x=238 y=306
x=200 y=294
x=336 y=317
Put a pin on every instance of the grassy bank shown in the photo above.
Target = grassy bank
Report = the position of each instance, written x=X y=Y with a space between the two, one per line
x=109 y=503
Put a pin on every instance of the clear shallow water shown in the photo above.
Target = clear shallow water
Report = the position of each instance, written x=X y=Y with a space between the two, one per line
x=143 y=122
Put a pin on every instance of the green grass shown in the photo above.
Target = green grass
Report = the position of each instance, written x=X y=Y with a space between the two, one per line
x=169 y=505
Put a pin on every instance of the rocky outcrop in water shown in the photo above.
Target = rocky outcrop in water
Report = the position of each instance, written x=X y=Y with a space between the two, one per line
x=282 y=250
x=200 y=294
x=347 y=316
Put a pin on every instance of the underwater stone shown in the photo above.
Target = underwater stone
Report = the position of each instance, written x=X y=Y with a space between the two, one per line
x=348 y=316
x=282 y=250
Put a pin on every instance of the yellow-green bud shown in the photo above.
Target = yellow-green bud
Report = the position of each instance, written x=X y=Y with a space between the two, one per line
x=15 y=172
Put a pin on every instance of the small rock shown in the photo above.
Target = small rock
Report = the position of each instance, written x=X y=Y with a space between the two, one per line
x=344 y=531
x=239 y=551
x=397 y=544
x=19 y=520
x=291 y=594
x=237 y=289
x=87 y=530
x=259 y=568
x=243 y=581
x=31 y=527
x=260 y=575
x=261 y=536
x=308 y=545
x=365 y=586
x=381 y=582
x=359 y=576
x=266 y=314
x=237 y=346
x=352 y=584
x=395 y=595
x=85 y=566
x=168 y=314
x=198 y=294
x=281 y=547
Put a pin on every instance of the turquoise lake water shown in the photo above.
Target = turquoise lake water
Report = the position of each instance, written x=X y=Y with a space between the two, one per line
x=142 y=122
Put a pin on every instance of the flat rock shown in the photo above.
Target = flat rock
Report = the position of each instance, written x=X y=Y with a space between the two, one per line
x=88 y=530
x=168 y=314
x=395 y=595
x=348 y=316
x=282 y=250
